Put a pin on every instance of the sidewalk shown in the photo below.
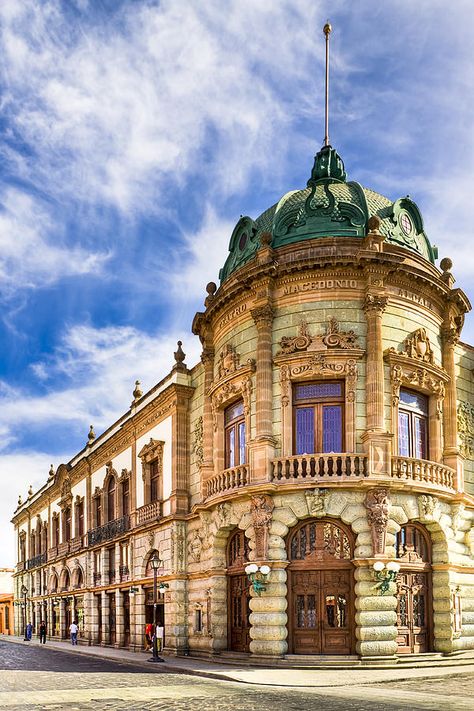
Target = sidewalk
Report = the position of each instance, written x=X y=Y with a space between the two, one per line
x=271 y=676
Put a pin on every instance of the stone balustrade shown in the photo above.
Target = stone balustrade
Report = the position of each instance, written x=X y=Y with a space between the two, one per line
x=148 y=512
x=228 y=480
x=319 y=467
x=420 y=470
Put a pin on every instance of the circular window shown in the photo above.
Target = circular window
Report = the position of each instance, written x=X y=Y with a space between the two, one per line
x=243 y=240
x=406 y=223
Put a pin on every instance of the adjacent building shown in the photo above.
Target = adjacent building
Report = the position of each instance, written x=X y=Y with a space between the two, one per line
x=325 y=438
x=6 y=600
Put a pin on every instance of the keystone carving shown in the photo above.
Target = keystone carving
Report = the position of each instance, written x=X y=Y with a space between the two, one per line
x=377 y=503
x=428 y=507
x=333 y=338
x=261 y=512
x=317 y=502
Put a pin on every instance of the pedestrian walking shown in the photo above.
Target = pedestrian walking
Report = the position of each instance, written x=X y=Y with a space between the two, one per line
x=29 y=632
x=148 y=636
x=42 y=632
x=73 y=629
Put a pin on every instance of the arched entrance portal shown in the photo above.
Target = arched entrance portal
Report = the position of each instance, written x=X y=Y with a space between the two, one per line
x=414 y=608
x=238 y=607
x=320 y=585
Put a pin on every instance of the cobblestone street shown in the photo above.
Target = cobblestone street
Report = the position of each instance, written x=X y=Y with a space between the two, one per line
x=34 y=677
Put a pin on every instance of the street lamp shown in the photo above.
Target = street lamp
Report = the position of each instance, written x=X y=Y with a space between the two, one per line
x=24 y=592
x=155 y=563
x=385 y=574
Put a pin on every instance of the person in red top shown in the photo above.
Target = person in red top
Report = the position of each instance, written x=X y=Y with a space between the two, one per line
x=148 y=636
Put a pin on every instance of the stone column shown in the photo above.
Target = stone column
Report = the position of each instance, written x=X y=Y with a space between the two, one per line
x=451 y=455
x=137 y=620
x=376 y=617
x=376 y=439
x=49 y=609
x=268 y=617
x=119 y=619
x=207 y=468
x=216 y=612
x=63 y=633
x=262 y=448
x=90 y=618
x=179 y=498
x=176 y=622
x=104 y=601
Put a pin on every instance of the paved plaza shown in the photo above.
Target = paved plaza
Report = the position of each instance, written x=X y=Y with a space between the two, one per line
x=34 y=677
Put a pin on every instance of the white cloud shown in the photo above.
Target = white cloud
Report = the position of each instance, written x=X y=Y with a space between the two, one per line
x=30 y=249
x=97 y=369
x=114 y=113
x=18 y=471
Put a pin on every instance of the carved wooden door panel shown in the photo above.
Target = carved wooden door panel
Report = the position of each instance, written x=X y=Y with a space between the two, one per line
x=239 y=612
x=413 y=612
x=321 y=615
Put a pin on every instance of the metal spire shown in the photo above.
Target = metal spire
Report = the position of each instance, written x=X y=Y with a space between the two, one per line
x=327 y=31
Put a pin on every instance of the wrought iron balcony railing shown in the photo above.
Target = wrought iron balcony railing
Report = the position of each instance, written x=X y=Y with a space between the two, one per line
x=124 y=572
x=108 y=530
x=37 y=560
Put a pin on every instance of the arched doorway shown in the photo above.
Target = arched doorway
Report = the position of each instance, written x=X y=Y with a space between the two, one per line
x=414 y=607
x=238 y=607
x=320 y=588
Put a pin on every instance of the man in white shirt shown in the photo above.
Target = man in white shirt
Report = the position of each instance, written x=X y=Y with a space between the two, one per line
x=73 y=629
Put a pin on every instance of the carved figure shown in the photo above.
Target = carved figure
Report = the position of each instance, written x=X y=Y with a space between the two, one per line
x=377 y=503
x=261 y=511
x=316 y=501
x=427 y=506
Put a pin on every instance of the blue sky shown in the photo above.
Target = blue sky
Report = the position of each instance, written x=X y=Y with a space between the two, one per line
x=134 y=134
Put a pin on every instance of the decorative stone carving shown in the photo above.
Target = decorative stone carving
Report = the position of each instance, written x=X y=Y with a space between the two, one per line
x=178 y=546
x=229 y=361
x=377 y=503
x=375 y=303
x=151 y=540
x=153 y=451
x=457 y=516
x=205 y=529
x=262 y=316
x=223 y=514
x=261 y=512
x=465 y=422
x=333 y=338
x=418 y=377
x=316 y=500
x=469 y=539
x=198 y=448
x=195 y=547
x=428 y=507
x=417 y=345
x=228 y=391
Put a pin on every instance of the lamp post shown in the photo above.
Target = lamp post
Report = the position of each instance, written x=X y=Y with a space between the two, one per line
x=258 y=576
x=385 y=574
x=24 y=592
x=155 y=563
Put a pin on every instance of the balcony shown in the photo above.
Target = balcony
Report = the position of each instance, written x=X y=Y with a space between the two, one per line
x=108 y=530
x=228 y=480
x=149 y=512
x=52 y=553
x=63 y=549
x=111 y=577
x=75 y=544
x=320 y=467
x=421 y=471
x=37 y=560
x=20 y=566
x=124 y=572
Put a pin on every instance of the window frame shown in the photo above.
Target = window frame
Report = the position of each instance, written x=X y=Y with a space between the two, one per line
x=413 y=416
x=234 y=425
x=317 y=404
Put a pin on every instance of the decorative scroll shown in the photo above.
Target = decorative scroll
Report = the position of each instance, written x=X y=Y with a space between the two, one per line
x=418 y=377
x=198 y=448
x=465 y=422
x=228 y=391
x=377 y=503
x=333 y=338
x=261 y=511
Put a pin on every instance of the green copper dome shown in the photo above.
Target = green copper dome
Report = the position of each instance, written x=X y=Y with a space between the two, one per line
x=329 y=206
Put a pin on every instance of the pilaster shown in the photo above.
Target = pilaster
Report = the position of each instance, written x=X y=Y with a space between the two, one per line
x=207 y=468
x=451 y=456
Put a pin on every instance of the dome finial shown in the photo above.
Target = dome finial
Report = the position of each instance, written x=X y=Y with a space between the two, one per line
x=327 y=31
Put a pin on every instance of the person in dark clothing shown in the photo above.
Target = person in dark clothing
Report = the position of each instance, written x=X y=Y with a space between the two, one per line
x=42 y=632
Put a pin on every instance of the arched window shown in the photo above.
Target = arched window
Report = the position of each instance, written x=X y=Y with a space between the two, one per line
x=235 y=438
x=320 y=540
x=65 y=580
x=412 y=544
x=111 y=489
x=53 y=583
x=78 y=578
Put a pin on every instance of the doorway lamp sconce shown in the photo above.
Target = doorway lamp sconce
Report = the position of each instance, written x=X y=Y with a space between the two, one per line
x=133 y=590
x=385 y=574
x=162 y=587
x=258 y=576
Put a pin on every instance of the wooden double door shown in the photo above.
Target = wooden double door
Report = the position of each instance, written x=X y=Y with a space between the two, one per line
x=321 y=611
x=414 y=612
x=239 y=613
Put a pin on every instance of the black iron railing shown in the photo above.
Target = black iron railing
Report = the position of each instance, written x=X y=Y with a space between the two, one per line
x=36 y=561
x=108 y=530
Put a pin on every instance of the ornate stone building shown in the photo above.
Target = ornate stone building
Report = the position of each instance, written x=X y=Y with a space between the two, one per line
x=326 y=436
